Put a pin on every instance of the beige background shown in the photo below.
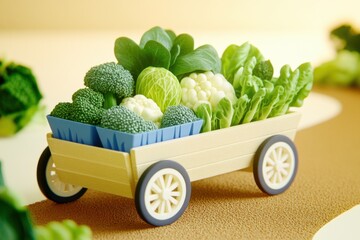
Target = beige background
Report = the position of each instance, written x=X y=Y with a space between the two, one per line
x=184 y=15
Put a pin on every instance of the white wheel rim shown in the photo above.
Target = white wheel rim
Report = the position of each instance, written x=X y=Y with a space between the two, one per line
x=278 y=165
x=56 y=185
x=165 y=194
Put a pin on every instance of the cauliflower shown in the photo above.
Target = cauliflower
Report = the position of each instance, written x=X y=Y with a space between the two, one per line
x=144 y=107
x=205 y=87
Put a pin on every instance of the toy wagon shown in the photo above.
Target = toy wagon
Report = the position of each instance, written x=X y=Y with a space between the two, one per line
x=158 y=176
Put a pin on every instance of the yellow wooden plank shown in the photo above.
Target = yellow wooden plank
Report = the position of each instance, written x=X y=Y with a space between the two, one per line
x=209 y=149
x=93 y=167
x=213 y=139
x=82 y=166
x=220 y=167
x=94 y=183
x=91 y=153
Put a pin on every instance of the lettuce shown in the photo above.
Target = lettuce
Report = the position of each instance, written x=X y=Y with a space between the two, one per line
x=240 y=108
x=204 y=112
x=260 y=95
x=222 y=114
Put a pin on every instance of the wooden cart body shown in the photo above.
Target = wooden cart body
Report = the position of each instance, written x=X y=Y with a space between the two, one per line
x=203 y=155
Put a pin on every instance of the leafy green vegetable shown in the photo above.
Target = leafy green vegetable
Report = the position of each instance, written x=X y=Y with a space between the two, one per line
x=344 y=68
x=347 y=36
x=222 y=114
x=64 y=230
x=235 y=58
x=204 y=112
x=162 y=48
x=20 y=97
x=260 y=95
x=160 y=85
x=254 y=105
x=203 y=59
x=240 y=108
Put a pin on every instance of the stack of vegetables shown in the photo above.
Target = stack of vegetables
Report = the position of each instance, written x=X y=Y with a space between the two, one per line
x=164 y=81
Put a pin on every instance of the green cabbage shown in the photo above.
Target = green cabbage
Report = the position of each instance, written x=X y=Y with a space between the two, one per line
x=160 y=85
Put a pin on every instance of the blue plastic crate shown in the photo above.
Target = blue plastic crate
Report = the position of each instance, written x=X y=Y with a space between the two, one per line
x=74 y=131
x=120 y=141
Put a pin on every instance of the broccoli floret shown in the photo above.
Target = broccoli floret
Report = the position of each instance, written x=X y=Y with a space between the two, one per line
x=95 y=98
x=20 y=97
x=62 y=110
x=85 y=108
x=176 y=115
x=112 y=80
x=122 y=119
x=83 y=111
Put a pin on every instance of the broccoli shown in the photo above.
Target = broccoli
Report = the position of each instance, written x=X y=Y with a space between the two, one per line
x=62 y=110
x=85 y=108
x=96 y=98
x=112 y=80
x=176 y=115
x=122 y=119
x=20 y=97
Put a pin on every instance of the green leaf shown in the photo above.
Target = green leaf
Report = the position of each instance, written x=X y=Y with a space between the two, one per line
x=254 y=105
x=185 y=42
x=304 y=84
x=130 y=55
x=235 y=57
x=175 y=52
x=222 y=115
x=156 y=34
x=204 y=58
x=240 y=108
x=171 y=34
x=204 y=112
x=157 y=55
x=269 y=101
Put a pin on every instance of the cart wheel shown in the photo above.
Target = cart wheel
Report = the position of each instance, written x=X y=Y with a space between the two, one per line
x=162 y=193
x=50 y=184
x=275 y=164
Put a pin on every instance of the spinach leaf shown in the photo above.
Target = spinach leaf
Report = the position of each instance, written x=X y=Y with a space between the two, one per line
x=185 y=42
x=157 y=55
x=130 y=55
x=162 y=48
x=157 y=34
x=204 y=58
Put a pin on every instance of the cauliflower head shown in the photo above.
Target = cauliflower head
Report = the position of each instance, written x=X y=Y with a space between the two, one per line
x=144 y=107
x=206 y=87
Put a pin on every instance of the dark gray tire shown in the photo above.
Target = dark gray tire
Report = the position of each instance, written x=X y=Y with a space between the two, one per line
x=51 y=186
x=275 y=164
x=163 y=193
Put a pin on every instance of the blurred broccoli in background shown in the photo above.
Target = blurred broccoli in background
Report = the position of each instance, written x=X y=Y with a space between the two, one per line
x=344 y=69
x=19 y=97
